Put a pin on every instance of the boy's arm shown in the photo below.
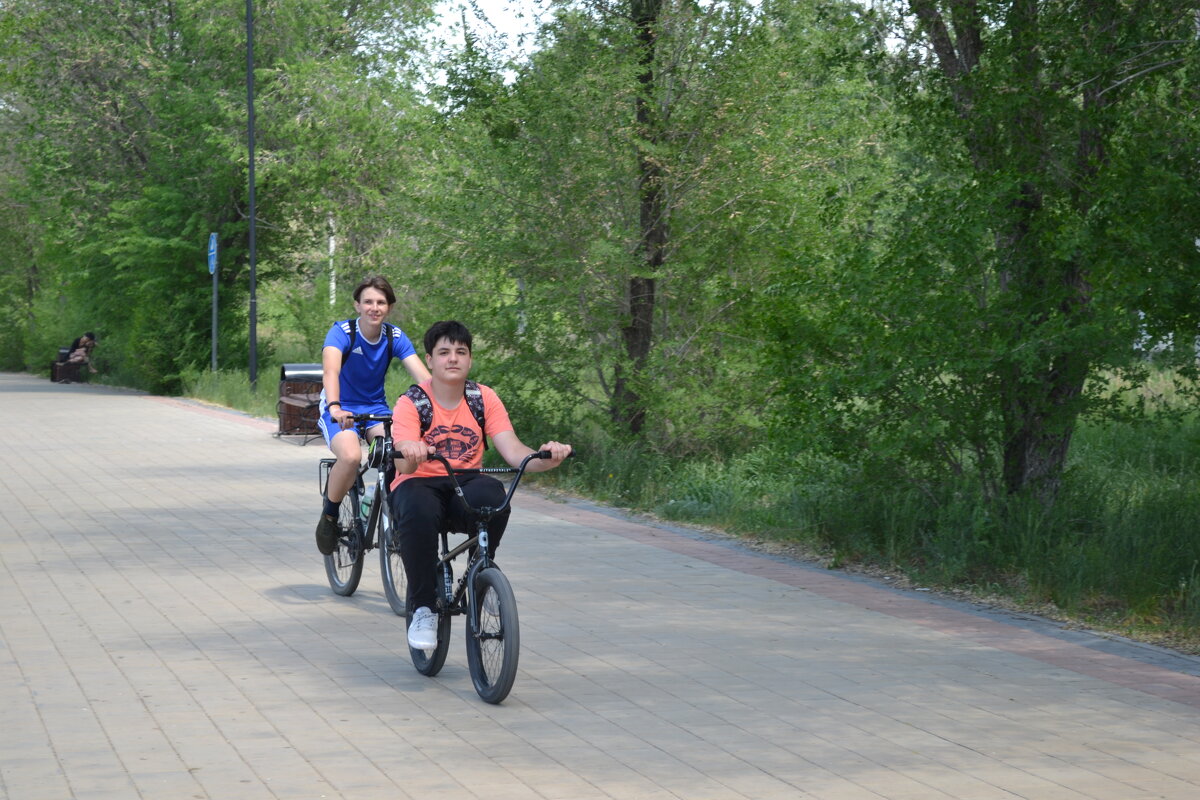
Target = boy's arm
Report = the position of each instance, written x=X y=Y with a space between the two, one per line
x=406 y=354
x=416 y=368
x=331 y=369
x=513 y=450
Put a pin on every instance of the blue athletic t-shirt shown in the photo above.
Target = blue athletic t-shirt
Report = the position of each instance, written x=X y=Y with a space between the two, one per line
x=365 y=368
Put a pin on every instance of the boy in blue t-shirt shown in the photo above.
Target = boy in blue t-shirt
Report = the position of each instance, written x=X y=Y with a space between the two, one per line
x=354 y=361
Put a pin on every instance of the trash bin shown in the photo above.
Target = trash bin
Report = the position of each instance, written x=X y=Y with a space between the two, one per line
x=63 y=371
x=66 y=372
x=299 y=400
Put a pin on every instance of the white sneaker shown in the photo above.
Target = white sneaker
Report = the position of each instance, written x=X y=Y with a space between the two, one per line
x=422 y=631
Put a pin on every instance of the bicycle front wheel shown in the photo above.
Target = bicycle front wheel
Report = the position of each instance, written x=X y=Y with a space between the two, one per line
x=493 y=649
x=344 y=565
x=430 y=662
x=391 y=566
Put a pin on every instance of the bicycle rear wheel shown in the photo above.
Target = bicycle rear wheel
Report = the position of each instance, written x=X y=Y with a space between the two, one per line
x=344 y=565
x=493 y=650
x=395 y=584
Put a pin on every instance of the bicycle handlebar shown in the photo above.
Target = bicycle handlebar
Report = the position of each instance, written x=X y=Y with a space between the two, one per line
x=540 y=454
x=520 y=468
x=371 y=417
x=519 y=471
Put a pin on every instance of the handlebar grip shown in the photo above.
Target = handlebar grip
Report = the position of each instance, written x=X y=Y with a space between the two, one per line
x=547 y=454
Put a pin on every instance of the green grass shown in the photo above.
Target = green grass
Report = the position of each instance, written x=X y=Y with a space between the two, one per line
x=232 y=389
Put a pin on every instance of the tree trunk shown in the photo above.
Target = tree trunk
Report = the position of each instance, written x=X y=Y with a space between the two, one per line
x=1041 y=410
x=1040 y=413
x=1042 y=375
x=638 y=332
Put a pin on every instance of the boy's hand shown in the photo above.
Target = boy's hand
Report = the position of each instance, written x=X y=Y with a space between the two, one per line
x=558 y=453
x=414 y=452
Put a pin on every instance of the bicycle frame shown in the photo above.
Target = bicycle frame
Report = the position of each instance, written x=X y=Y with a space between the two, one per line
x=344 y=566
x=379 y=453
x=458 y=598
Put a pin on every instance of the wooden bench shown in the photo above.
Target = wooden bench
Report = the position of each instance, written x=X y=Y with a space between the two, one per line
x=299 y=401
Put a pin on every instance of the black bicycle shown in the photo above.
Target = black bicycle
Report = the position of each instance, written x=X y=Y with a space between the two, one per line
x=483 y=594
x=365 y=521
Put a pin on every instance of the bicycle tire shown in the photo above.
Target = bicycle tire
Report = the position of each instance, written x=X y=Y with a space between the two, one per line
x=391 y=566
x=493 y=650
x=344 y=566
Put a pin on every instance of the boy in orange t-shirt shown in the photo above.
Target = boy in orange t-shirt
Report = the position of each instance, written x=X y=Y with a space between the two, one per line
x=422 y=494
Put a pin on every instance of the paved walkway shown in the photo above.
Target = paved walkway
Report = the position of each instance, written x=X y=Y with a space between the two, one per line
x=168 y=634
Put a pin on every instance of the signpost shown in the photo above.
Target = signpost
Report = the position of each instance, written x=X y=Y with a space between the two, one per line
x=212 y=270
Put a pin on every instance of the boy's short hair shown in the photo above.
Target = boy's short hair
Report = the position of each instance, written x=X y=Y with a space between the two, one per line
x=449 y=329
x=376 y=282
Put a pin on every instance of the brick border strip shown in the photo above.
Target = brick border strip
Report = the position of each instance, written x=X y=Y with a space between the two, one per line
x=200 y=407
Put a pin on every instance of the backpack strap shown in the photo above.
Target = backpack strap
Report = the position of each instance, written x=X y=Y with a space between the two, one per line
x=472 y=395
x=424 y=408
x=353 y=336
x=474 y=398
x=388 y=335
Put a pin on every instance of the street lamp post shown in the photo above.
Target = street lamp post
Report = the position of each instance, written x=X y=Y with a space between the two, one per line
x=253 y=255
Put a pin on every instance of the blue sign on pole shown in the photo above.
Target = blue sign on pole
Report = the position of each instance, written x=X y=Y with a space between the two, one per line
x=212 y=270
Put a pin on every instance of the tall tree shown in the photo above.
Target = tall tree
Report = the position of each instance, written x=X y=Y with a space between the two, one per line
x=1040 y=195
x=588 y=191
x=1039 y=90
x=653 y=232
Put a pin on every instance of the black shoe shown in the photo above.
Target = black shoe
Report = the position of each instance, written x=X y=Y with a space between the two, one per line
x=327 y=535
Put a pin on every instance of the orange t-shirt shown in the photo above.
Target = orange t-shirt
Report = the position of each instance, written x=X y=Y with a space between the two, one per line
x=453 y=433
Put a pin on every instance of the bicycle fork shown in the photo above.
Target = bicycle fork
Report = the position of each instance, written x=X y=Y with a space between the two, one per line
x=465 y=592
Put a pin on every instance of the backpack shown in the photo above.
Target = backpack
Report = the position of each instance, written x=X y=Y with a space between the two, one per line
x=387 y=338
x=471 y=394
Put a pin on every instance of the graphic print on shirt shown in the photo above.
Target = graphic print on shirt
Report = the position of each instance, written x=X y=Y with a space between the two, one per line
x=454 y=442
